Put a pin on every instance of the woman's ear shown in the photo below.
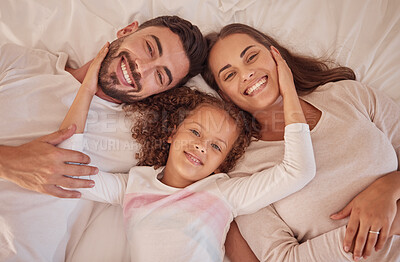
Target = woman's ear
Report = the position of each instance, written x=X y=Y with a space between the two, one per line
x=128 y=29
x=169 y=140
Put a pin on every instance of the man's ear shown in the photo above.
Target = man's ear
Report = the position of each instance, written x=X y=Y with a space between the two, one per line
x=128 y=29
x=169 y=140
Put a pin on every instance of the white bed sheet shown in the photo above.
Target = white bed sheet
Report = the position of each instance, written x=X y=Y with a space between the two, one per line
x=361 y=34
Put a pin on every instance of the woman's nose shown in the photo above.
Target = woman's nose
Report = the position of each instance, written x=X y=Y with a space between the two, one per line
x=247 y=75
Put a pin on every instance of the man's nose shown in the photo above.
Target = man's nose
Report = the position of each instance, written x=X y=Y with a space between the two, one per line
x=144 y=66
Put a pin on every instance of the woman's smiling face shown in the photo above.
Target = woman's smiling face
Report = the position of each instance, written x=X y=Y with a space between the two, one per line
x=245 y=71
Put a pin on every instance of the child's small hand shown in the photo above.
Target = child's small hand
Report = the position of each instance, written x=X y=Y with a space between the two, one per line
x=91 y=78
x=284 y=73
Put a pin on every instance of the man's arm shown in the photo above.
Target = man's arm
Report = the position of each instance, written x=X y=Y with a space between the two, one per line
x=42 y=167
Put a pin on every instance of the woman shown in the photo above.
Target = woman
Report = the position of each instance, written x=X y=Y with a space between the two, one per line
x=356 y=139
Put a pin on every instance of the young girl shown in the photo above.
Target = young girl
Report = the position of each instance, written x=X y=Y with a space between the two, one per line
x=179 y=206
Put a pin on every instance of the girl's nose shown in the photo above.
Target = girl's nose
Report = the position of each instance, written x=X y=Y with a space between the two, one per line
x=200 y=148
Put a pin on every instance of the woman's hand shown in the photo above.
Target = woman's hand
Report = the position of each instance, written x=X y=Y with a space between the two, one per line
x=92 y=75
x=373 y=210
x=395 y=229
x=285 y=75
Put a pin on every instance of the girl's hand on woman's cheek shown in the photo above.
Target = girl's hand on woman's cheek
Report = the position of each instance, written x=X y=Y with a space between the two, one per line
x=285 y=75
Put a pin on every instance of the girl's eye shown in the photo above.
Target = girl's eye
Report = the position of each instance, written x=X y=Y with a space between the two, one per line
x=250 y=58
x=149 y=49
x=215 y=146
x=195 y=132
x=229 y=76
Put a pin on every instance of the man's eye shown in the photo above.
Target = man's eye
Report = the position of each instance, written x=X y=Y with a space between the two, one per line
x=229 y=76
x=159 y=75
x=215 y=146
x=195 y=132
x=149 y=49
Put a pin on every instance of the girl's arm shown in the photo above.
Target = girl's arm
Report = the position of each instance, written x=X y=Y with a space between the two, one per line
x=249 y=194
x=106 y=187
x=76 y=118
x=79 y=109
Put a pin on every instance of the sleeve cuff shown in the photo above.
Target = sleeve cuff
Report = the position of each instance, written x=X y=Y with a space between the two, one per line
x=297 y=128
x=75 y=142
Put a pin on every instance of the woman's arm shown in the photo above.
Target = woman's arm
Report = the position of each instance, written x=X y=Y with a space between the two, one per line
x=236 y=247
x=271 y=239
x=375 y=207
x=79 y=109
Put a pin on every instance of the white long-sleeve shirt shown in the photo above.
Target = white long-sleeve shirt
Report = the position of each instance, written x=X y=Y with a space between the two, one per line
x=172 y=224
x=35 y=94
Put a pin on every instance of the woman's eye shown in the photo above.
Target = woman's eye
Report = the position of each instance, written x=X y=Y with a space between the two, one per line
x=195 y=132
x=215 y=146
x=250 y=58
x=149 y=49
x=229 y=76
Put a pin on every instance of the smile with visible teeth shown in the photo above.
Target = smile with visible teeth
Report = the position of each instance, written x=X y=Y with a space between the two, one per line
x=253 y=88
x=125 y=73
x=193 y=159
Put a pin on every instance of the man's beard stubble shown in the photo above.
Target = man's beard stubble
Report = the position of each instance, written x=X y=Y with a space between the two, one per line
x=108 y=81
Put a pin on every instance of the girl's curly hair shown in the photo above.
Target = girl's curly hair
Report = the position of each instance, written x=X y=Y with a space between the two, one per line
x=155 y=117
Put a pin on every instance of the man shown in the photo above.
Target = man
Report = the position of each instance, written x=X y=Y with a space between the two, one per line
x=36 y=90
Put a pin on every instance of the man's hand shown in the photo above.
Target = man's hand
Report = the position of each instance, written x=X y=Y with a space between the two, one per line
x=42 y=167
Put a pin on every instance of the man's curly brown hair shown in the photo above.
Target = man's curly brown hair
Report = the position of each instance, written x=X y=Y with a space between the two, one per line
x=155 y=118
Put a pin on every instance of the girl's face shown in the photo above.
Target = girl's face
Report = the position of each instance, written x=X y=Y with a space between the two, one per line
x=199 y=145
x=245 y=71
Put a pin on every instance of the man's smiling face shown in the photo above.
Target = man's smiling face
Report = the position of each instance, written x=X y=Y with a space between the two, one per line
x=141 y=63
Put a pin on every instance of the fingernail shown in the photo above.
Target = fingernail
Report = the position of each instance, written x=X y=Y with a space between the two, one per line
x=91 y=184
x=346 y=248
x=70 y=127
